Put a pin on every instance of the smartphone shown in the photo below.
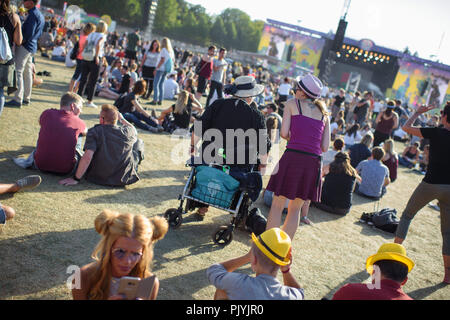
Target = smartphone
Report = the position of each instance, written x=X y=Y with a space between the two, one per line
x=129 y=286
x=134 y=288
x=146 y=288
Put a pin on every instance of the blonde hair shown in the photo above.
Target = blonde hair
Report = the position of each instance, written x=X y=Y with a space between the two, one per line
x=182 y=101
x=322 y=106
x=389 y=147
x=165 y=43
x=110 y=113
x=113 y=225
x=102 y=27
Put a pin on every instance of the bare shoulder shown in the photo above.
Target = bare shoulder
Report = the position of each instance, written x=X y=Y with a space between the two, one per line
x=15 y=18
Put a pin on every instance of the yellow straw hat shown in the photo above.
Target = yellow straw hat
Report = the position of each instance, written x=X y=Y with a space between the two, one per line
x=390 y=251
x=275 y=244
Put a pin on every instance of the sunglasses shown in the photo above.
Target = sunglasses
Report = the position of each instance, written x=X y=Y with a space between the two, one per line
x=120 y=254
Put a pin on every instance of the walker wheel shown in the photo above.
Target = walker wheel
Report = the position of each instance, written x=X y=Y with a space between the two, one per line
x=174 y=217
x=223 y=236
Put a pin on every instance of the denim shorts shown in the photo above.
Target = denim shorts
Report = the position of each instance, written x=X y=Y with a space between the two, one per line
x=2 y=215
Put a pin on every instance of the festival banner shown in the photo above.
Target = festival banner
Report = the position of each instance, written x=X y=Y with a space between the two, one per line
x=289 y=46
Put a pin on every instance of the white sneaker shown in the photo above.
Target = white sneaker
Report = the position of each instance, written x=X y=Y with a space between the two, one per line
x=90 y=105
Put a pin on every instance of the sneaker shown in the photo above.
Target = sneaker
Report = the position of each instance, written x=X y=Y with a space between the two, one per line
x=26 y=102
x=29 y=182
x=24 y=163
x=305 y=220
x=153 y=129
x=90 y=105
x=159 y=103
x=13 y=103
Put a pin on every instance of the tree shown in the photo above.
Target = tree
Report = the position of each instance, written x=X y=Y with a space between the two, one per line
x=218 y=32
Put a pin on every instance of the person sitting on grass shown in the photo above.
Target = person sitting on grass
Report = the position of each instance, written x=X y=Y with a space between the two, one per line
x=59 y=51
x=125 y=250
x=338 y=186
x=409 y=156
x=361 y=151
x=374 y=176
x=270 y=252
x=328 y=157
x=112 y=153
x=181 y=112
x=27 y=183
x=131 y=109
x=389 y=267
x=390 y=159
x=58 y=147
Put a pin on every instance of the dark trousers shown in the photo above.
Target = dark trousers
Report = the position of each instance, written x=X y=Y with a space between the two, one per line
x=215 y=87
x=137 y=118
x=147 y=74
x=89 y=76
x=379 y=137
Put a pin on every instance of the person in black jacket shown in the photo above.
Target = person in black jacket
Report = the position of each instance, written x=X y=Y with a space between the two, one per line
x=235 y=126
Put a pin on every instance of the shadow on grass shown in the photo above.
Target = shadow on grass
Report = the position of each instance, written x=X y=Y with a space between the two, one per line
x=372 y=231
x=39 y=262
x=193 y=240
x=23 y=151
x=422 y=293
x=355 y=278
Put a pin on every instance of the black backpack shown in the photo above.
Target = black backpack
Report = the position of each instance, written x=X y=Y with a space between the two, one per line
x=74 y=52
x=120 y=102
x=256 y=222
x=385 y=219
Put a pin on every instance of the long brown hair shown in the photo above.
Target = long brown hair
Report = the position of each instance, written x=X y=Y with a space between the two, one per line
x=113 y=225
x=4 y=7
x=341 y=164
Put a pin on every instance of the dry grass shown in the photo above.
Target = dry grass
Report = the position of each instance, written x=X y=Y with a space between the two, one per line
x=53 y=228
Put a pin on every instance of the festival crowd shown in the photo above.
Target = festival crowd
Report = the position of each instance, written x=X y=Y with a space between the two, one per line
x=339 y=143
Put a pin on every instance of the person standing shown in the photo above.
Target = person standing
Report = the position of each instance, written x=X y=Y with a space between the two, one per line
x=148 y=63
x=90 y=69
x=306 y=126
x=283 y=93
x=166 y=57
x=436 y=184
x=218 y=76
x=23 y=55
x=337 y=104
x=133 y=41
x=205 y=70
x=11 y=23
x=87 y=30
x=386 y=122
x=362 y=109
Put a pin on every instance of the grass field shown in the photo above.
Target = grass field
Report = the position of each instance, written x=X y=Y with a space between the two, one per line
x=54 y=225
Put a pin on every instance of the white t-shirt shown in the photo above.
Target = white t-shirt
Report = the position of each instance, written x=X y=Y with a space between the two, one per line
x=151 y=59
x=351 y=140
x=333 y=127
x=96 y=36
x=284 y=89
x=171 y=88
x=377 y=106
x=58 y=51
x=166 y=55
x=70 y=63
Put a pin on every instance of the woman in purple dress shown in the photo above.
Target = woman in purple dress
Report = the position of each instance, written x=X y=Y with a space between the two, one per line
x=297 y=176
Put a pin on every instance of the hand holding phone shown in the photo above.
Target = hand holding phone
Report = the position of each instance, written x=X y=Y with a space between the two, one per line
x=135 y=288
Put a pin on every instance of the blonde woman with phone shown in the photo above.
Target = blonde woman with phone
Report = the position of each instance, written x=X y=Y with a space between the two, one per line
x=125 y=251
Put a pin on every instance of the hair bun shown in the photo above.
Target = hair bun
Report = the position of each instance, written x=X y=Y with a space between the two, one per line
x=160 y=227
x=104 y=220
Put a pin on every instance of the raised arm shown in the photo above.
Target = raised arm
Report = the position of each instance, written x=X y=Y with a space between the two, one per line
x=409 y=128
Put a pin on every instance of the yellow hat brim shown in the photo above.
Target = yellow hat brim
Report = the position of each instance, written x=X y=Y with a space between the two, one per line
x=268 y=254
x=388 y=256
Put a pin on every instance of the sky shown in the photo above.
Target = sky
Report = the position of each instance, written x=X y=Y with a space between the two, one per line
x=423 y=26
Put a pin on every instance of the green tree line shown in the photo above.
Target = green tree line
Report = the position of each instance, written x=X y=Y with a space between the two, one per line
x=180 y=20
